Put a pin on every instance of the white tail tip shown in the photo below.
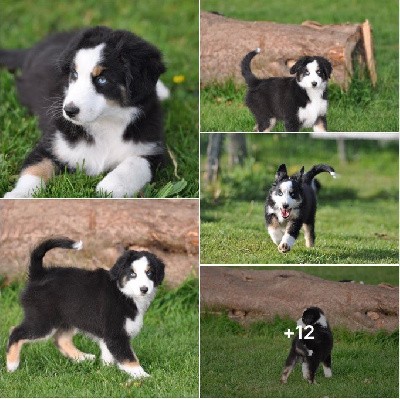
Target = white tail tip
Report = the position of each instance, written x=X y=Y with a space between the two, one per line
x=333 y=174
x=258 y=50
x=77 y=245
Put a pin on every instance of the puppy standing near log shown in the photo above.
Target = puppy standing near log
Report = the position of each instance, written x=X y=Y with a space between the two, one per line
x=300 y=101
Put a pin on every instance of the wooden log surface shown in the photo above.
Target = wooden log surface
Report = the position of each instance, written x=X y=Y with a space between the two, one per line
x=225 y=41
x=168 y=228
x=251 y=295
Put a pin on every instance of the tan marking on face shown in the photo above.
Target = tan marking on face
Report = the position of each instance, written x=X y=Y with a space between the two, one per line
x=63 y=341
x=14 y=351
x=308 y=236
x=45 y=169
x=97 y=70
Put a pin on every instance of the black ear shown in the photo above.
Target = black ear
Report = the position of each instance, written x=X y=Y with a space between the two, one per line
x=117 y=270
x=301 y=173
x=299 y=65
x=327 y=67
x=143 y=66
x=281 y=173
x=158 y=267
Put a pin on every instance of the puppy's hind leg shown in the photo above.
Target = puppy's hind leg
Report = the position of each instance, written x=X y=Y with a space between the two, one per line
x=266 y=124
x=309 y=235
x=327 y=365
x=19 y=336
x=289 y=365
x=64 y=343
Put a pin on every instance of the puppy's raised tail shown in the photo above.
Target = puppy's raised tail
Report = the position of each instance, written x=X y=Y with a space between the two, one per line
x=36 y=269
x=315 y=170
x=248 y=75
x=13 y=59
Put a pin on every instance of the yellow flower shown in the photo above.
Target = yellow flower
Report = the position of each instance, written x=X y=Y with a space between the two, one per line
x=178 y=79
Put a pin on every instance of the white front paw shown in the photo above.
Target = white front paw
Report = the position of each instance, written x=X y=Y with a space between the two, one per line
x=112 y=185
x=25 y=187
x=136 y=371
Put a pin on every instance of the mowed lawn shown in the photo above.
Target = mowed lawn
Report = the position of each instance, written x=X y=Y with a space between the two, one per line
x=361 y=108
x=239 y=361
x=24 y=23
x=357 y=215
x=167 y=348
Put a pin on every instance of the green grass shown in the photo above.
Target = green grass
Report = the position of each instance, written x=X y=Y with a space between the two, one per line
x=357 y=216
x=247 y=362
x=167 y=347
x=22 y=23
x=362 y=108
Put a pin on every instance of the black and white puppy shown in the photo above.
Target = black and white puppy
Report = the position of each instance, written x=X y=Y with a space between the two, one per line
x=300 y=101
x=108 y=306
x=311 y=352
x=95 y=93
x=292 y=204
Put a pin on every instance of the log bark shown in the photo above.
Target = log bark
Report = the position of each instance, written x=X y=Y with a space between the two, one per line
x=224 y=42
x=168 y=228
x=251 y=295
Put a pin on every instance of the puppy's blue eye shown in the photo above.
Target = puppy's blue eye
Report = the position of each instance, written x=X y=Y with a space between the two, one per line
x=132 y=274
x=306 y=73
x=101 y=80
x=280 y=192
x=291 y=194
x=319 y=73
x=149 y=273
x=74 y=74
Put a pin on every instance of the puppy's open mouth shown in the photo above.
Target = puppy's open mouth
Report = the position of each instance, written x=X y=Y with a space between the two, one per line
x=285 y=213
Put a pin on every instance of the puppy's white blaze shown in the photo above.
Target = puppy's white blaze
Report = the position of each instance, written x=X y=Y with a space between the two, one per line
x=26 y=186
x=327 y=371
x=288 y=239
x=12 y=366
x=78 y=245
x=333 y=174
x=82 y=92
x=162 y=91
x=135 y=372
x=322 y=321
x=129 y=177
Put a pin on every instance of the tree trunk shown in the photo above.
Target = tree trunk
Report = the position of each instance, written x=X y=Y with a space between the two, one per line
x=214 y=149
x=251 y=295
x=224 y=42
x=237 y=149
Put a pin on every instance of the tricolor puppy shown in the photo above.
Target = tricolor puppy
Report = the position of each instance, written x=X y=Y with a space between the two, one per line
x=95 y=94
x=299 y=101
x=311 y=352
x=292 y=204
x=108 y=306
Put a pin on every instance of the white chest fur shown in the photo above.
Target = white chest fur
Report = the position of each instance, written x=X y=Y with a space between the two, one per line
x=107 y=150
x=315 y=108
x=133 y=327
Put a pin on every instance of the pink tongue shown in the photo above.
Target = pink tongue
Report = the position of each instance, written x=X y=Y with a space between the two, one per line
x=285 y=213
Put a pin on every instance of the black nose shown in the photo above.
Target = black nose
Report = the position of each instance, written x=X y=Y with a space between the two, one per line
x=71 y=110
x=285 y=206
x=314 y=84
x=144 y=289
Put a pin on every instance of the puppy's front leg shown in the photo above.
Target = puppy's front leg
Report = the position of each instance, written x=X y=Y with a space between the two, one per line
x=127 y=178
x=34 y=175
x=290 y=236
x=320 y=124
x=121 y=351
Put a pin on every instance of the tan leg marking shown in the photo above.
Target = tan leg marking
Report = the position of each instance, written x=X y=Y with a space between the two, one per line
x=286 y=372
x=14 y=351
x=307 y=236
x=130 y=364
x=319 y=127
x=44 y=169
x=63 y=341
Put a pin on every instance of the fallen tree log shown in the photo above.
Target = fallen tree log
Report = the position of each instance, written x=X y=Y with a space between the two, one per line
x=168 y=228
x=251 y=295
x=225 y=41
